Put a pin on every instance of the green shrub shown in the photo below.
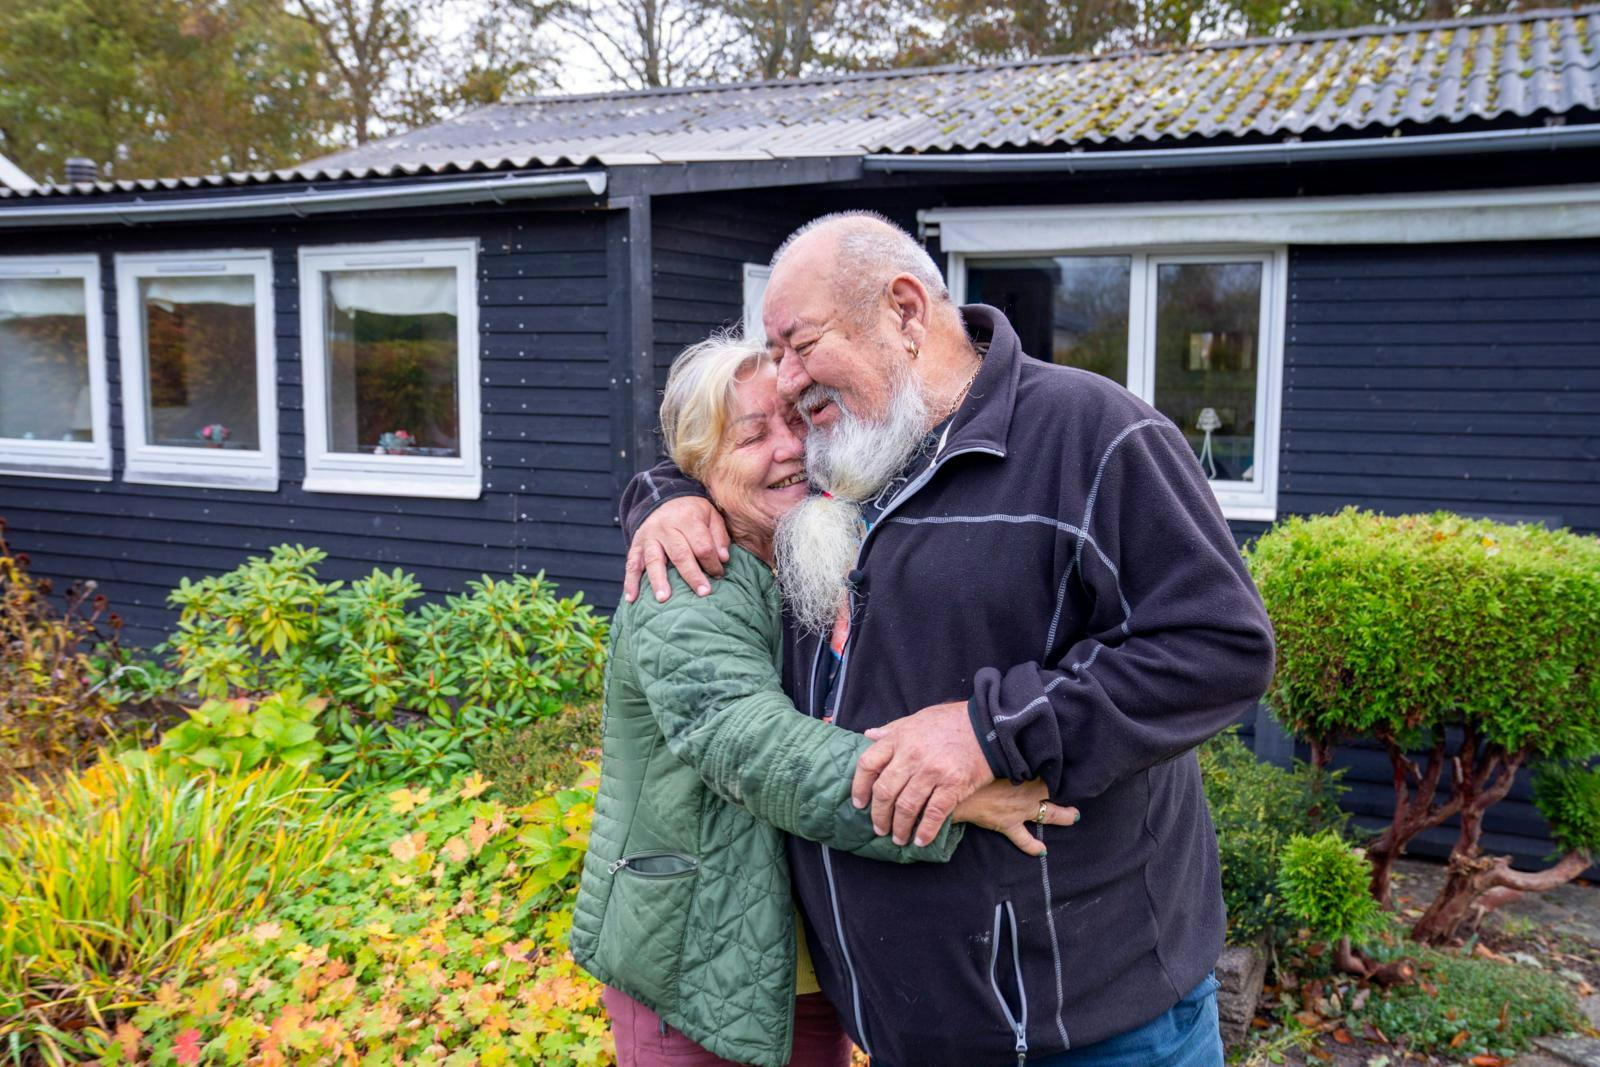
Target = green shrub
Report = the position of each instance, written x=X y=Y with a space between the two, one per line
x=507 y=652
x=238 y=735
x=1391 y=626
x=1323 y=882
x=116 y=880
x=1257 y=808
x=1569 y=798
x=439 y=936
x=1399 y=629
x=526 y=761
x=1461 y=1006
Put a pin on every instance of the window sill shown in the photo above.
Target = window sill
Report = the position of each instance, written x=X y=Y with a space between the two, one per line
x=1250 y=512
x=49 y=459
x=198 y=477
x=410 y=482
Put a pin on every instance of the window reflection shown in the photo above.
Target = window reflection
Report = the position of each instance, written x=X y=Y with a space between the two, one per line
x=1072 y=310
x=1207 y=327
x=200 y=362
x=44 y=360
x=392 y=356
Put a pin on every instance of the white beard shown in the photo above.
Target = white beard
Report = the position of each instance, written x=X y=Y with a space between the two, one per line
x=817 y=540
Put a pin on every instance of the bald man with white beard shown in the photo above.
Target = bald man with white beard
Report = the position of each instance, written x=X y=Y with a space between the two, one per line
x=1011 y=570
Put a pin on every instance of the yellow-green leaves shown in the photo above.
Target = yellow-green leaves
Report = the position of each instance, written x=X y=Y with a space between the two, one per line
x=117 y=879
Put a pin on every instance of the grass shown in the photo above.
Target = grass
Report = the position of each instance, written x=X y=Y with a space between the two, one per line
x=114 y=881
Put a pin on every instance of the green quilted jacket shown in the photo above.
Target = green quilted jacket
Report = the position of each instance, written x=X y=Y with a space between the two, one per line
x=684 y=902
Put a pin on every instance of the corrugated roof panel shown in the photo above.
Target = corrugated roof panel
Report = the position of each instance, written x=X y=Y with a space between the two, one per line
x=1354 y=81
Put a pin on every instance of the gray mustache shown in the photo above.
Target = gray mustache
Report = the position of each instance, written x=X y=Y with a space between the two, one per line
x=812 y=398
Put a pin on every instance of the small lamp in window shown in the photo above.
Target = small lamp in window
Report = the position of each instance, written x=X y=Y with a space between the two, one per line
x=1208 y=423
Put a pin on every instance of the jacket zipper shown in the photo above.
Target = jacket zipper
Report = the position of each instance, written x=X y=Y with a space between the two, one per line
x=1019 y=1027
x=838 y=706
x=629 y=863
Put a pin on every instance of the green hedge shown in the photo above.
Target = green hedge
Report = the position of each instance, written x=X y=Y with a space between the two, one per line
x=1394 y=625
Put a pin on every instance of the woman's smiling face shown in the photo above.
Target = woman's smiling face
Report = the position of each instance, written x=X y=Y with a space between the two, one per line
x=759 y=472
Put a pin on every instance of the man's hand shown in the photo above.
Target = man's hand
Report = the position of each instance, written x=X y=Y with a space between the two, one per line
x=689 y=533
x=922 y=765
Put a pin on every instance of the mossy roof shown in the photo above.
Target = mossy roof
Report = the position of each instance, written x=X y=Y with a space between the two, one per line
x=1363 y=82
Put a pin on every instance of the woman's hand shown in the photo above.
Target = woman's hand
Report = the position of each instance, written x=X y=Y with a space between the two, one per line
x=1008 y=809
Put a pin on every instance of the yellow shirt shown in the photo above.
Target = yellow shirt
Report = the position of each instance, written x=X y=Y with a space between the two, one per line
x=805 y=976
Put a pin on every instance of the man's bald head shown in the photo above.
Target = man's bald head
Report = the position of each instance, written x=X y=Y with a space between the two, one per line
x=860 y=251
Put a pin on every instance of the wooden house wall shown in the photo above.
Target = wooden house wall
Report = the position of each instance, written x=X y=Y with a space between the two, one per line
x=546 y=309
x=700 y=247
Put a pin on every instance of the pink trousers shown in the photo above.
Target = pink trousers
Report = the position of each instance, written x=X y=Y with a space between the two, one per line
x=642 y=1040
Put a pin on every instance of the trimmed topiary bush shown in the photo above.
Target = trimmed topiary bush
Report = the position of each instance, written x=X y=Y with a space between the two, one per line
x=1420 y=629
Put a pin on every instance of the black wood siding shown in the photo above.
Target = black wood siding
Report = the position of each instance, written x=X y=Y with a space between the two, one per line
x=545 y=309
x=701 y=245
x=1462 y=377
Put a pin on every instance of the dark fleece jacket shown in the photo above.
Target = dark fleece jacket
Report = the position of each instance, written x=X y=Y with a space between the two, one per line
x=1063 y=566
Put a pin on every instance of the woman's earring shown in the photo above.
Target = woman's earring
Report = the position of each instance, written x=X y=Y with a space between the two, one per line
x=912 y=348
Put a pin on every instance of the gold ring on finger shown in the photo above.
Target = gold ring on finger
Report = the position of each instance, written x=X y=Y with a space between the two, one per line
x=1044 y=810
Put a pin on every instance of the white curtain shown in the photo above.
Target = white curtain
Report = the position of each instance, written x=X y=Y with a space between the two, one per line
x=423 y=291
x=236 y=290
x=33 y=298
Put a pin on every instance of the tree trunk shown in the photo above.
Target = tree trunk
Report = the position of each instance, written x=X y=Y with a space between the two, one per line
x=1482 y=780
x=1477 y=886
x=1415 y=809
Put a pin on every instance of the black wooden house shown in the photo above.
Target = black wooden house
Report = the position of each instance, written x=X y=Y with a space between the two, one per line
x=1355 y=267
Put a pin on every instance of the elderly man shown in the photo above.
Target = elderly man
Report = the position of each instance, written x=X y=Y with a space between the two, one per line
x=1029 y=555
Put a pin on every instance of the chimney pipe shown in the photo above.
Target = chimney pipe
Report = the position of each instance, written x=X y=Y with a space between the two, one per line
x=80 y=169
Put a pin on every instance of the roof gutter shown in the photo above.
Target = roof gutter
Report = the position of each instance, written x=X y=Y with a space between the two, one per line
x=311 y=201
x=1288 y=152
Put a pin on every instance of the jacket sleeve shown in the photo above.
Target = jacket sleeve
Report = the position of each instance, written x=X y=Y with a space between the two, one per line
x=705 y=668
x=1177 y=645
x=649 y=489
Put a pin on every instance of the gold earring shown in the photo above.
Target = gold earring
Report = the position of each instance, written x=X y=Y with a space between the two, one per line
x=912 y=348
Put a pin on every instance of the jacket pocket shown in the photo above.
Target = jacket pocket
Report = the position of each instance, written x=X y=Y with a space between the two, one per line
x=641 y=937
x=1005 y=922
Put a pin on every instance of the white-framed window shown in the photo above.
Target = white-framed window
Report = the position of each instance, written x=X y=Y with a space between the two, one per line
x=199 y=388
x=55 y=419
x=1195 y=332
x=756 y=276
x=389 y=336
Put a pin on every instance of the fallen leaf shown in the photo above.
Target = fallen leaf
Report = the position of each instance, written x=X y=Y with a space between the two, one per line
x=129 y=1036
x=474 y=785
x=186 y=1047
x=1342 y=1036
x=1460 y=1039
x=1483 y=1059
x=402 y=801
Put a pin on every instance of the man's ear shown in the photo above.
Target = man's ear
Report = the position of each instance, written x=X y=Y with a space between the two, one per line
x=911 y=301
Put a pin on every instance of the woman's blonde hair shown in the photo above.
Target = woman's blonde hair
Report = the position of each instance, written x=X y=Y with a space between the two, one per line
x=698 y=401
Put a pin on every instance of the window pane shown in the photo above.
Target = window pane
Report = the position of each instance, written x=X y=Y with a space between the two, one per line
x=200 y=349
x=1207 y=339
x=1071 y=310
x=44 y=360
x=391 y=344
